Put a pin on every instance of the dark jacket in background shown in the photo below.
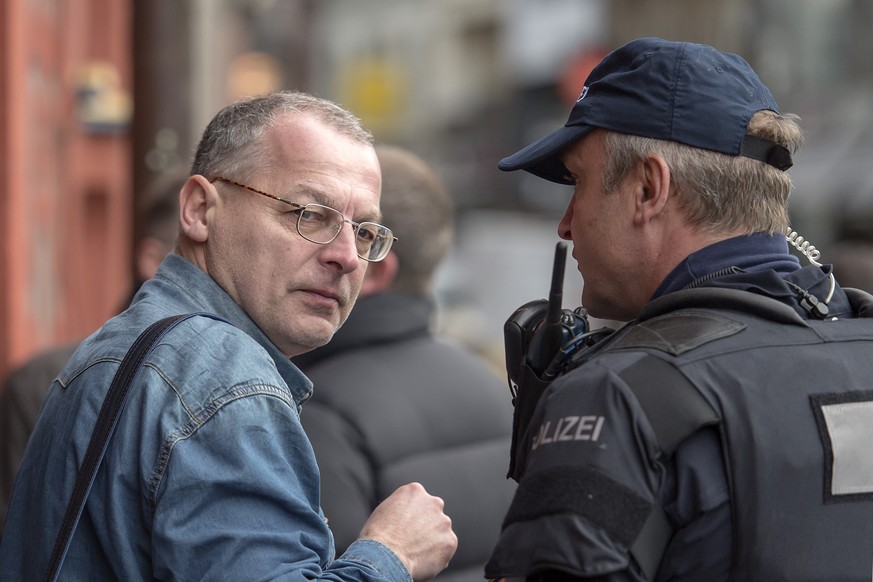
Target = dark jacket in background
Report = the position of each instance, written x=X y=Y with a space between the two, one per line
x=21 y=398
x=394 y=404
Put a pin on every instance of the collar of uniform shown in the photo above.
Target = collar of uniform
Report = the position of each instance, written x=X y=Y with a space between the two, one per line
x=763 y=266
x=752 y=253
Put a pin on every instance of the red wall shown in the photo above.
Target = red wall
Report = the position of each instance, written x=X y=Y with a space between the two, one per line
x=65 y=170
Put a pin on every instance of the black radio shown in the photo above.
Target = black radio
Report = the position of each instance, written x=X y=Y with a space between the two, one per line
x=539 y=339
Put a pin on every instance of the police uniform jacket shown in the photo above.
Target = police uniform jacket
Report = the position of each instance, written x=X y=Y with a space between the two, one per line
x=721 y=436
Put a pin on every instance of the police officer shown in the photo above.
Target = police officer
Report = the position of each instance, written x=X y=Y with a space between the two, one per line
x=720 y=434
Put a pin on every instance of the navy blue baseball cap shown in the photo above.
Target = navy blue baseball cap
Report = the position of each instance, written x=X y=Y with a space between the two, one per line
x=677 y=91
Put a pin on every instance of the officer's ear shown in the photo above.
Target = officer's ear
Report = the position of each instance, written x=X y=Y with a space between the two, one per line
x=197 y=197
x=653 y=189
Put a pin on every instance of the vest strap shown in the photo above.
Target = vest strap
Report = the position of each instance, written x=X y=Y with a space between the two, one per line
x=675 y=410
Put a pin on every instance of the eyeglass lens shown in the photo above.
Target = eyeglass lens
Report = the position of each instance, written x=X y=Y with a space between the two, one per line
x=321 y=224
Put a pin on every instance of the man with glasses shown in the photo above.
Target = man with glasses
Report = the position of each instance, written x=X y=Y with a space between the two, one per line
x=209 y=474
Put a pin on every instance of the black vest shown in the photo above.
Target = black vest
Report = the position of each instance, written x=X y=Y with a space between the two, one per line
x=793 y=400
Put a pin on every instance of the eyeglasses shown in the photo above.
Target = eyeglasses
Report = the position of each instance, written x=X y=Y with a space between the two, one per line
x=322 y=224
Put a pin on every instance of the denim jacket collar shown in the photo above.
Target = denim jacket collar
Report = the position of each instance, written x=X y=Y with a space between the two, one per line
x=194 y=287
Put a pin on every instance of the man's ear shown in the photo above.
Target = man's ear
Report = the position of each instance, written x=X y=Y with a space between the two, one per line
x=380 y=276
x=197 y=196
x=654 y=188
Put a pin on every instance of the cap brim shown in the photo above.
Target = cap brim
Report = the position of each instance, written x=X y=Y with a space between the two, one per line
x=543 y=157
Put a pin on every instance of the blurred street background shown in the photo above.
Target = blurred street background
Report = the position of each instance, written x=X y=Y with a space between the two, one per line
x=99 y=96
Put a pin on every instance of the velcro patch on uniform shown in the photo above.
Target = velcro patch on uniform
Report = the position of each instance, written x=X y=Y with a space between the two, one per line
x=845 y=424
x=573 y=489
x=677 y=333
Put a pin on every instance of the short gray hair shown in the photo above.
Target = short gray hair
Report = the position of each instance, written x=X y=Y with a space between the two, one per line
x=718 y=192
x=231 y=143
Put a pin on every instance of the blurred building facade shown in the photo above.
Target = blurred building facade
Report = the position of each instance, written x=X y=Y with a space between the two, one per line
x=65 y=181
x=461 y=82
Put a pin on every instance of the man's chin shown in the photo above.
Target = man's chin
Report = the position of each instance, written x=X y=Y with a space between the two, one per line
x=306 y=345
x=316 y=333
x=315 y=344
x=319 y=335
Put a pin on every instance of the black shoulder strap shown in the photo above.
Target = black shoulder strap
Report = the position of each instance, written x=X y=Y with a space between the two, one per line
x=676 y=410
x=107 y=419
x=673 y=406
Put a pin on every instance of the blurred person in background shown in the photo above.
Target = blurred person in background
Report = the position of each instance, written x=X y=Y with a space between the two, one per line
x=25 y=387
x=723 y=433
x=209 y=474
x=853 y=263
x=395 y=403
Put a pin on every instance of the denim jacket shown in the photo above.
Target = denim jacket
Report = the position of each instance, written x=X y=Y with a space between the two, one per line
x=208 y=476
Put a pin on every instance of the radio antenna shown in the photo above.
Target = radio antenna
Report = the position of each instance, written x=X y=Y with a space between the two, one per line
x=553 y=330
